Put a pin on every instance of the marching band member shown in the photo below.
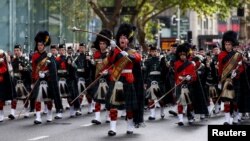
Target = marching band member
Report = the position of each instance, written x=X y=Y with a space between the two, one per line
x=230 y=69
x=21 y=80
x=122 y=93
x=100 y=57
x=44 y=76
x=155 y=81
x=6 y=84
x=185 y=75
x=83 y=65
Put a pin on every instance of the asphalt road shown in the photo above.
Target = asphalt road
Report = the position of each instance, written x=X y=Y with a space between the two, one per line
x=81 y=129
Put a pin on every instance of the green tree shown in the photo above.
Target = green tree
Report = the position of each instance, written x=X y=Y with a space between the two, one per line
x=146 y=10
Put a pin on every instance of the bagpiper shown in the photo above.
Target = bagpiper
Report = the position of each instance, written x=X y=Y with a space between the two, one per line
x=83 y=66
x=21 y=80
x=155 y=81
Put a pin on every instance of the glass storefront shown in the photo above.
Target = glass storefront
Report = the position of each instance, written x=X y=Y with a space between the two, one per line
x=20 y=20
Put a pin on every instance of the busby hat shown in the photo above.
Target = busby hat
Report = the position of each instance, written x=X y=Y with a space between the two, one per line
x=127 y=30
x=17 y=46
x=42 y=37
x=229 y=36
x=105 y=32
x=183 y=48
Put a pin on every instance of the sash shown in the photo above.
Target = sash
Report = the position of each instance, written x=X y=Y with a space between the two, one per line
x=41 y=62
x=40 y=58
x=183 y=66
x=226 y=58
x=100 y=66
x=231 y=64
x=120 y=65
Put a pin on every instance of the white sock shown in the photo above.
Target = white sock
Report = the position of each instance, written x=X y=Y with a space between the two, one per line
x=113 y=125
x=130 y=125
x=180 y=117
x=152 y=112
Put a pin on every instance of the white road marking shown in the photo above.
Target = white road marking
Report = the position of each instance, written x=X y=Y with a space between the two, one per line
x=86 y=125
x=38 y=138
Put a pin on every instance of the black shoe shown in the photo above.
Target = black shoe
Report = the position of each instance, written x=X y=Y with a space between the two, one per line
x=162 y=116
x=107 y=121
x=78 y=113
x=173 y=113
x=235 y=123
x=226 y=123
x=37 y=122
x=180 y=123
x=96 y=122
x=26 y=117
x=129 y=132
x=90 y=113
x=11 y=117
x=151 y=118
x=57 y=117
x=111 y=133
x=49 y=121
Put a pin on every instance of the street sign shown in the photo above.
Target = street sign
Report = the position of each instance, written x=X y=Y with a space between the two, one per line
x=184 y=27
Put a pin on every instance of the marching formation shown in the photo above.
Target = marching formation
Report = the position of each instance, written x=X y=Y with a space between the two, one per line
x=115 y=75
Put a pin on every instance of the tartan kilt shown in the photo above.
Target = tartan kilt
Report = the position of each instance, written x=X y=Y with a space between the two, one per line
x=94 y=89
x=129 y=93
x=36 y=90
x=162 y=87
x=178 y=92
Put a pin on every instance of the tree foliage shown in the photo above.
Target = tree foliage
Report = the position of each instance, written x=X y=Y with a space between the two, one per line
x=146 y=10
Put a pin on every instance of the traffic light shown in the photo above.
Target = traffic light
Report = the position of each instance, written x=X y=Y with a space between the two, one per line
x=189 y=36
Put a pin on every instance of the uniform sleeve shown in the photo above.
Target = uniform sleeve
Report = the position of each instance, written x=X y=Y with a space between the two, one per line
x=220 y=65
x=3 y=68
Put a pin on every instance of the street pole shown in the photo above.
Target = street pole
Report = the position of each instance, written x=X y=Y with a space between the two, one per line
x=243 y=27
x=178 y=23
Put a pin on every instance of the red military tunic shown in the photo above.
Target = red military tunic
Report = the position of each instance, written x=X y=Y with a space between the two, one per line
x=3 y=70
x=189 y=70
x=35 y=75
x=61 y=60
